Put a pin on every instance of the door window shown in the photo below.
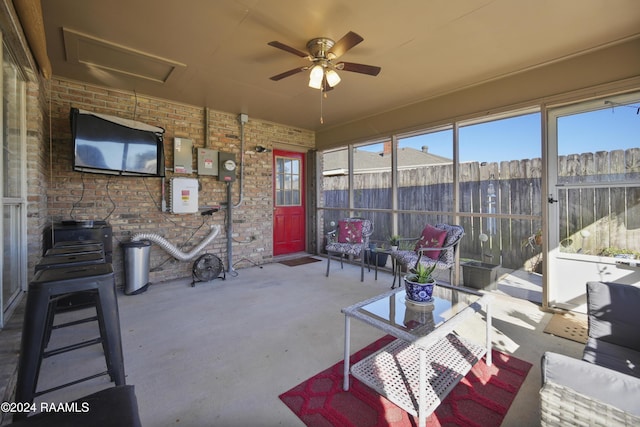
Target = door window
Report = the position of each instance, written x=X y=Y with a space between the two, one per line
x=288 y=182
x=598 y=170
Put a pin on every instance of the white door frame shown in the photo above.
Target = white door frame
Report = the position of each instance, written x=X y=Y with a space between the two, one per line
x=567 y=273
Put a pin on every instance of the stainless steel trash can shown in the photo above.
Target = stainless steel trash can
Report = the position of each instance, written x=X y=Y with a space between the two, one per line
x=136 y=266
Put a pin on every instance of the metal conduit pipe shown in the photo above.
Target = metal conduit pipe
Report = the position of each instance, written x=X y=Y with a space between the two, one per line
x=172 y=250
x=242 y=119
x=229 y=231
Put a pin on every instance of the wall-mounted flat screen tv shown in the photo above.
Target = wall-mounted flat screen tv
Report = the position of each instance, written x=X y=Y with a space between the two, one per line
x=111 y=145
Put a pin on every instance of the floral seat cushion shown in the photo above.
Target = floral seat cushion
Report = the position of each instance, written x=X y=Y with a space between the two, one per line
x=409 y=258
x=345 y=248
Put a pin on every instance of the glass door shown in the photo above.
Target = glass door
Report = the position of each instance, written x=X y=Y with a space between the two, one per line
x=594 y=197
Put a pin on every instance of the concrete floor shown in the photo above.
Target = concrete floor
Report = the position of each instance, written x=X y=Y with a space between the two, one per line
x=221 y=352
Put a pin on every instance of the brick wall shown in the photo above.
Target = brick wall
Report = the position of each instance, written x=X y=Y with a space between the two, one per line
x=37 y=154
x=132 y=205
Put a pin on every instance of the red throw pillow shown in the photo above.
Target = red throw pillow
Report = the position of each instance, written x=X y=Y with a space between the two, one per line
x=431 y=238
x=349 y=231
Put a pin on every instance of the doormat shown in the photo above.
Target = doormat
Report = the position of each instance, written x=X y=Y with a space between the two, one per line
x=299 y=261
x=481 y=398
x=572 y=326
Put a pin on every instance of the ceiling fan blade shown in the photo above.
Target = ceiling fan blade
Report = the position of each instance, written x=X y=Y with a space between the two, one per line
x=359 y=68
x=289 y=49
x=344 y=44
x=287 y=73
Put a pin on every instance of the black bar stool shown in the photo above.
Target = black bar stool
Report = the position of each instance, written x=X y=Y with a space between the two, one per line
x=74 y=301
x=47 y=286
x=75 y=243
x=74 y=260
x=74 y=250
x=66 y=249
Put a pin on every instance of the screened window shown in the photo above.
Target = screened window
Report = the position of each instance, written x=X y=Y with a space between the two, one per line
x=425 y=180
x=335 y=178
x=13 y=177
x=372 y=176
x=501 y=166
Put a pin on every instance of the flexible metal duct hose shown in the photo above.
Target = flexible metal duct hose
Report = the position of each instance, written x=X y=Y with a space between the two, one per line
x=171 y=249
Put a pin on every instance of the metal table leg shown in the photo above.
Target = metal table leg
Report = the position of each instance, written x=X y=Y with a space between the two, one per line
x=347 y=342
x=488 y=356
x=396 y=272
x=422 y=399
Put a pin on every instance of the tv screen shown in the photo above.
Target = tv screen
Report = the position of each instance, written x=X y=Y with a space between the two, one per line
x=111 y=145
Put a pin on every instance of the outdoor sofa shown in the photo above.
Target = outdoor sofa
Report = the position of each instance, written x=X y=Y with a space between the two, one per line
x=602 y=389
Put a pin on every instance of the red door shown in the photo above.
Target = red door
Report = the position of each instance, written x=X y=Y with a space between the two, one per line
x=288 y=201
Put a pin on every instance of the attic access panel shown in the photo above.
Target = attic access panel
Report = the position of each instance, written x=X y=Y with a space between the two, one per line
x=95 y=52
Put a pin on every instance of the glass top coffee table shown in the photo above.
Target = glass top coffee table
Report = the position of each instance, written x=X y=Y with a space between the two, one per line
x=418 y=369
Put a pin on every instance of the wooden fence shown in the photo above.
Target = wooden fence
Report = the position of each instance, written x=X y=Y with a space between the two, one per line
x=609 y=214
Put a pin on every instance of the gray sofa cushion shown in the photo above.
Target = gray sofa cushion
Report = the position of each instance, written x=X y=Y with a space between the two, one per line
x=594 y=382
x=604 y=387
x=618 y=358
x=614 y=313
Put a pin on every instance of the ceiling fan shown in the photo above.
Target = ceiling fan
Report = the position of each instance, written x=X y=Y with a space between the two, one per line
x=322 y=53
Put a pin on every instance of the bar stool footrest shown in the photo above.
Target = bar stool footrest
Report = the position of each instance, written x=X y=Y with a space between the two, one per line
x=71 y=347
x=81 y=380
x=76 y=322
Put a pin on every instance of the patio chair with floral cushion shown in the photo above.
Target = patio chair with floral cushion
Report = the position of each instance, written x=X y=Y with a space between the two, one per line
x=437 y=245
x=349 y=239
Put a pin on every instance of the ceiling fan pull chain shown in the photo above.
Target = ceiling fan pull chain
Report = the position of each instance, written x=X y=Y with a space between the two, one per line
x=321 y=96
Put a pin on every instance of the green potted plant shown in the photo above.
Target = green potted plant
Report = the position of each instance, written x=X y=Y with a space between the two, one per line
x=419 y=283
x=619 y=253
x=394 y=241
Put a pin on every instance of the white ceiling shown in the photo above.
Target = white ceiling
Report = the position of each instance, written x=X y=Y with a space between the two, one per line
x=214 y=53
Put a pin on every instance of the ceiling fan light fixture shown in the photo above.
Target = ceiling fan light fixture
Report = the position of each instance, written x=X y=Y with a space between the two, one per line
x=332 y=78
x=315 y=84
x=315 y=76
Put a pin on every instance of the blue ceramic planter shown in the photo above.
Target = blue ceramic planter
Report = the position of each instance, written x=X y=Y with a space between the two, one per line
x=418 y=292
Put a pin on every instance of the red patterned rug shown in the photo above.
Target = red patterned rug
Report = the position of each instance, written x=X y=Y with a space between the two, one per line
x=480 y=399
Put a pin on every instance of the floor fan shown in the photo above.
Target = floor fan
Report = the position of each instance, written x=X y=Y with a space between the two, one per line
x=206 y=268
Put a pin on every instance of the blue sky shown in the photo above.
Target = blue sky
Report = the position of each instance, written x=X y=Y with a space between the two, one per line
x=519 y=137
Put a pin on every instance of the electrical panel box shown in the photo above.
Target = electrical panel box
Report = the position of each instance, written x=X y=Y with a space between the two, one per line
x=184 y=195
x=226 y=167
x=207 y=162
x=182 y=155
